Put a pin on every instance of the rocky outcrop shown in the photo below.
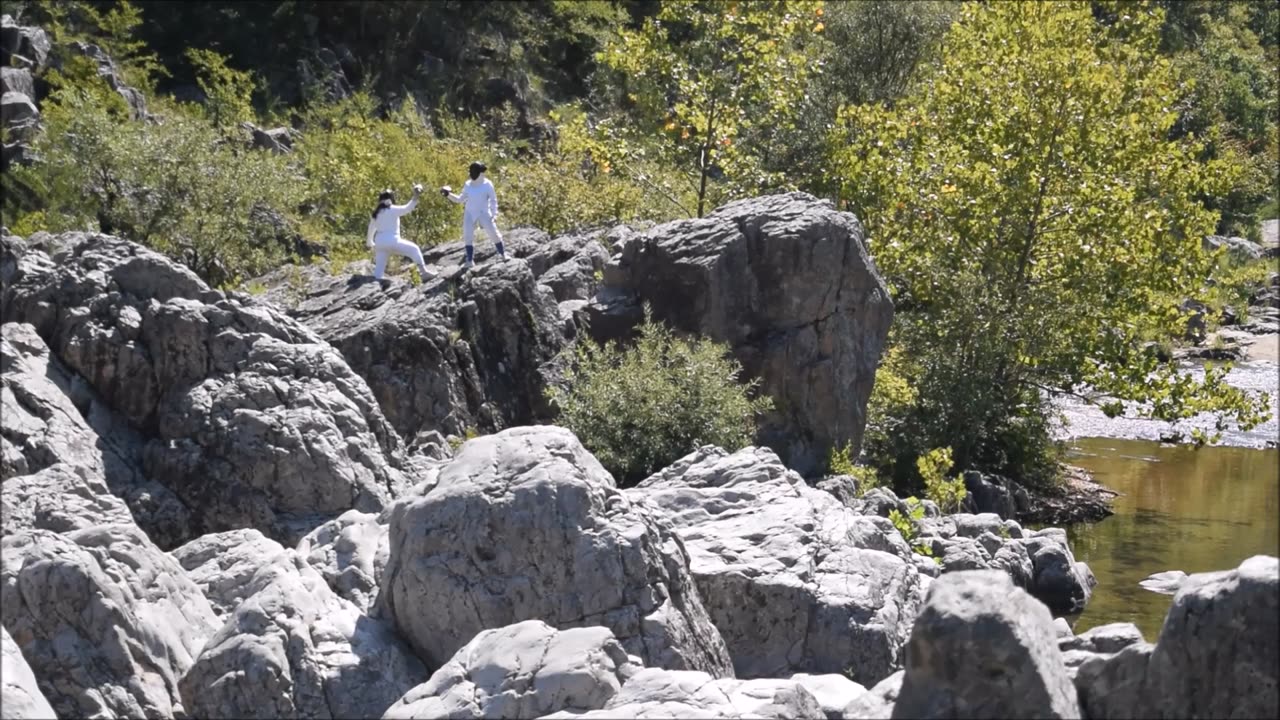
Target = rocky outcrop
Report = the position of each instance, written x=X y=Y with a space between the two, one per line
x=794 y=581
x=876 y=703
x=786 y=281
x=833 y=692
x=350 y=552
x=108 y=622
x=525 y=524
x=1237 y=248
x=1217 y=653
x=654 y=693
x=982 y=648
x=525 y=670
x=59 y=472
x=294 y=649
x=22 y=46
x=248 y=416
x=106 y=68
x=223 y=564
x=477 y=353
x=21 y=697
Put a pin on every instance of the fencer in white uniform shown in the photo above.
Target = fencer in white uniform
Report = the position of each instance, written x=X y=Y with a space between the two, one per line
x=384 y=233
x=479 y=207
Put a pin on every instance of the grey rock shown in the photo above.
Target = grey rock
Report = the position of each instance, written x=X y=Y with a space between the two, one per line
x=351 y=553
x=31 y=43
x=794 y=581
x=1062 y=629
x=877 y=703
x=654 y=693
x=21 y=697
x=60 y=473
x=962 y=553
x=294 y=649
x=1165 y=583
x=17 y=80
x=223 y=564
x=973 y=526
x=17 y=109
x=1218 y=646
x=982 y=648
x=246 y=415
x=881 y=501
x=1114 y=687
x=108 y=71
x=1110 y=638
x=832 y=691
x=474 y=353
x=525 y=524
x=810 y=323
x=988 y=494
x=1237 y=248
x=1060 y=582
x=524 y=670
x=842 y=487
x=277 y=140
x=108 y=622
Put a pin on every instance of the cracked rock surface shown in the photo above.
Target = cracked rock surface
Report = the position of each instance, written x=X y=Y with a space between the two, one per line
x=526 y=524
x=654 y=693
x=245 y=414
x=794 y=580
x=523 y=670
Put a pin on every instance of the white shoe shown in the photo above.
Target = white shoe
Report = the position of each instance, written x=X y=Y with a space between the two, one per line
x=426 y=272
x=468 y=264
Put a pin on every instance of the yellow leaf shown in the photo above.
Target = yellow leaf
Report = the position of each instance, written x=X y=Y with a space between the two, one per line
x=818 y=28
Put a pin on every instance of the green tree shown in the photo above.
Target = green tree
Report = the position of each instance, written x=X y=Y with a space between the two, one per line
x=1033 y=216
x=717 y=78
x=640 y=409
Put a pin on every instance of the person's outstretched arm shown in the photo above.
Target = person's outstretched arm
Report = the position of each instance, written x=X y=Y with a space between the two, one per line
x=457 y=198
x=407 y=207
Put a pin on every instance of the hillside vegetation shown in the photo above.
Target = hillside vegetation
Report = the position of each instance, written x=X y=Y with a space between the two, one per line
x=1035 y=178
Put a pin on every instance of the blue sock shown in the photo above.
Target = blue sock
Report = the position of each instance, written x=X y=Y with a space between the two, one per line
x=471 y=253
x=501 y=252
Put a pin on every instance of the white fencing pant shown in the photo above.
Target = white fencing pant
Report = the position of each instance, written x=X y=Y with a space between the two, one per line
x=485 y=221
x=384 y=249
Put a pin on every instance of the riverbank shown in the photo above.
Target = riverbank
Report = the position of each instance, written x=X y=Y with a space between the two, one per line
x=1079 y=498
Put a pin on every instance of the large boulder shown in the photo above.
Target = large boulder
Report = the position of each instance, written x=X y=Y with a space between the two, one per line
x=1217 y=654
x=63 y=470
x=786 y=281
x=247 y=415
x=223 y=564
x=294 y=649
x=107 y=620
x=833 y=692
x=525 y=524
x=524 y=670
x=794 y=580
x=351 y=553
x=20 y=697
x=17 y=80
x=653 y=693
x=983 y=648
x=476 y=353
x=1059 y=581
x=29 y=43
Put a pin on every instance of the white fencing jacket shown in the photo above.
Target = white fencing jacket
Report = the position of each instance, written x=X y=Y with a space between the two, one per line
x=478 y=199
x=386 y=227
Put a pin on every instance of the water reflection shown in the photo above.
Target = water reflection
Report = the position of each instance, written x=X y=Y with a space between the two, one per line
x=1180 y=509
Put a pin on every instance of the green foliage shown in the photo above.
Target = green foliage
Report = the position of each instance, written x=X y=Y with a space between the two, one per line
x=933 y=467
x=1029 y=210
x=228 y=92
x=909 y=525
x=840 y=462
x=174 y=186
x=640 y=409
x=717 y=78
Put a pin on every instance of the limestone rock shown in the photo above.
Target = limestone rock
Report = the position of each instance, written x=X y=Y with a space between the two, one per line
x=248 y=416
x=524 y=670
x=222 y=564
x=794 y=580
x=31 y=43
x=351 y=553
x=476 y=353
x=60 y=473
x=21 y=697
x=654 y=693
x=107 y=620
x=833 y=692
x=525 y=524
x=294 y=649
x=786 y=282
x=876 y=703
x=982 y=648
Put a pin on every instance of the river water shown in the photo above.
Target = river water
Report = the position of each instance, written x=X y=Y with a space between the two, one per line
x=1180 y=508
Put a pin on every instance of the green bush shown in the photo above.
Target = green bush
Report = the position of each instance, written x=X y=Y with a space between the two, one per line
x=933 y=467
x=639 y=409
